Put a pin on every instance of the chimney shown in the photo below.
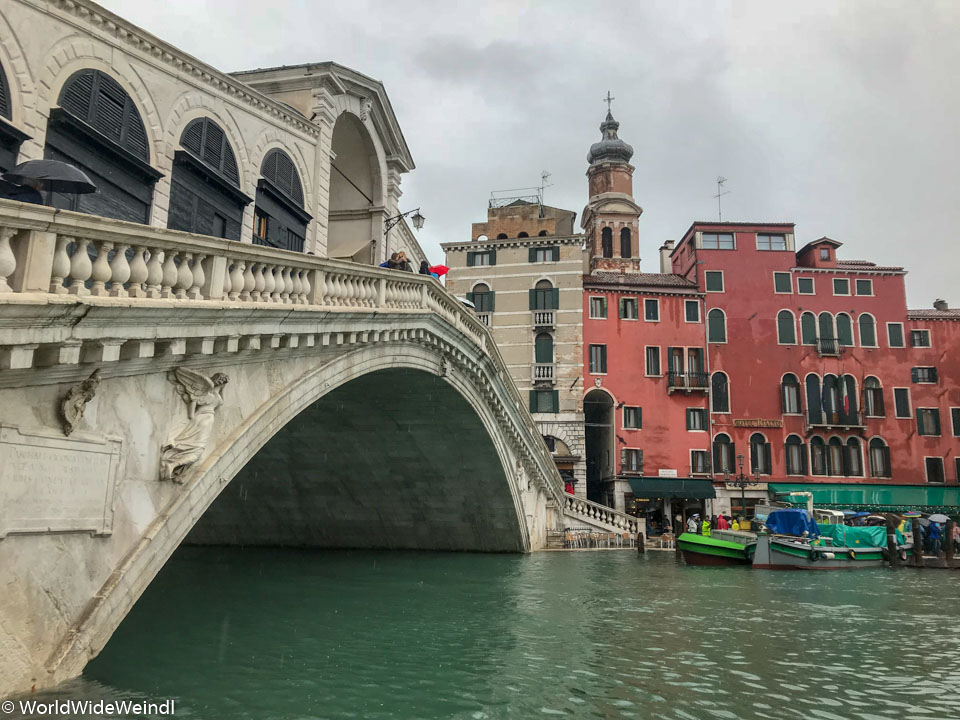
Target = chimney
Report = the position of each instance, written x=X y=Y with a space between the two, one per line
x=665 y=265
x=940 y=304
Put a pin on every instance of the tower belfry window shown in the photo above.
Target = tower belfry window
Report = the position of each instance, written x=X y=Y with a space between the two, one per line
x=625 y=244
x=606 y=242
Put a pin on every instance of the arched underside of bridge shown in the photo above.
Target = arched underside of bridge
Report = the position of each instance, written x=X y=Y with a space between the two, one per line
x=395 y=459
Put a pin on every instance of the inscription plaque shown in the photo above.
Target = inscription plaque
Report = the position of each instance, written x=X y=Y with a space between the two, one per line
x=50 y=483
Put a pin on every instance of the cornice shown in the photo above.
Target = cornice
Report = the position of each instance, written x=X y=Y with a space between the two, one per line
x=847 y=271
x=538 y=241
x=134 y=38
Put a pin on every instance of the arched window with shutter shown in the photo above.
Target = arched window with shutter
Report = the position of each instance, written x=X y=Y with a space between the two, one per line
x=790 y=394
x=606 y=242
x=720 y=393
x=818 y=456
x=844 y=330
x=814 y=400
x=786 y=329
x=868 y=330
x=205 y=195
x=761 y=461
x=808 y=328
x=543 y=348
x=10 y=137
x=716 y=326
x=853 y=460
x=873 y=397
x=723 y=454
x=835 y=464
x=280 y=220
x=795 y=455
x=626 y=249
x=98 y=129
x=879 y=458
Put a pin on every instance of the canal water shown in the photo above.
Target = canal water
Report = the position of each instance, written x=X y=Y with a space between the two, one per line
x=289 y=635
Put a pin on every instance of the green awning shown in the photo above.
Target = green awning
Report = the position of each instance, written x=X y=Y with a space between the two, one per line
x=649 y=487
x=863 y=496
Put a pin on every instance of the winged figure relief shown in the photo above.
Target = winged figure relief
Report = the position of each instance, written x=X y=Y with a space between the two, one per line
x=186 y=445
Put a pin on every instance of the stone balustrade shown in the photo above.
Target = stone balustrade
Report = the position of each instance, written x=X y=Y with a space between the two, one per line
x=575 y=507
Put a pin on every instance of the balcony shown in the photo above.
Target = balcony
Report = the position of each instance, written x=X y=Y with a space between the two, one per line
x=544 y=318
x=484 y=317
x=835 y=421
x=687 y=382
x=829 y=347
x=543 y=373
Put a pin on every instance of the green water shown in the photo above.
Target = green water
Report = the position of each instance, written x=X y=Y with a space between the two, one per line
x=267 y=634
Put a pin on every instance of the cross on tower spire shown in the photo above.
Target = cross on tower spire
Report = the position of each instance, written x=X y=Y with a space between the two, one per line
x=608 y=99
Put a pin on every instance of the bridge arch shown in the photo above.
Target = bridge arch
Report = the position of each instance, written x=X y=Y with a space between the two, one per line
x=501 y=493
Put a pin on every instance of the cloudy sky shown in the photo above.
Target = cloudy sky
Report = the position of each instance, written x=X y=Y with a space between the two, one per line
x=840 y=117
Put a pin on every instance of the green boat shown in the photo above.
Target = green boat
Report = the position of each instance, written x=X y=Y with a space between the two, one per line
x=721 y=547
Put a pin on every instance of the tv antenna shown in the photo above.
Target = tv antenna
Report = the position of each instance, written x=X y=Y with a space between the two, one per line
x=544 y=184
x=721 y=191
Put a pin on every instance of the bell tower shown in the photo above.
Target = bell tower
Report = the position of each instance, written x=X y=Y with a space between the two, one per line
x=610 y=219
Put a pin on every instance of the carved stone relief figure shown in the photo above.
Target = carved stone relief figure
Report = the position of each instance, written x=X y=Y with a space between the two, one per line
x=187 y=444
x=75 y=401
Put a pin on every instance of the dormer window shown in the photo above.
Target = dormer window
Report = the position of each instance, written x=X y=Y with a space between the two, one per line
x=824 y=253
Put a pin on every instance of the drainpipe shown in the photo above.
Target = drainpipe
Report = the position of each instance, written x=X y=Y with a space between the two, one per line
x=706 y=365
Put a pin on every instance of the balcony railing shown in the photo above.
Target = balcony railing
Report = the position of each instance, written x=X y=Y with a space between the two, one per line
x=687 y=382
x=836 y=420
x=484 y=317
x=544 y=318
x=828 y=347
x=543 y=373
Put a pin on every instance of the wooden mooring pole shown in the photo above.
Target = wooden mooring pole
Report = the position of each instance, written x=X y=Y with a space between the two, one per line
x=893 y=552
x=948 y=542
x=917 y=544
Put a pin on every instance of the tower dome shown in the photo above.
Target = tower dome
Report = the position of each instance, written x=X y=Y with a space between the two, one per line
x=610 y=148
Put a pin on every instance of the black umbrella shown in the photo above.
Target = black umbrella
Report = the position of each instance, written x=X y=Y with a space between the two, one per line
x=53 y=175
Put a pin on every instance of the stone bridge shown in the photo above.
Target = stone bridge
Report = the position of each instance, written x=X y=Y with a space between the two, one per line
x=159 y=387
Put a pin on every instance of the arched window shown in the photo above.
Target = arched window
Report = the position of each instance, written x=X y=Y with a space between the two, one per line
x=808 y=328
x=716 y=326
x=814 y=401
x=606 y=242
x=830 y=397
x=481 y=297
x=279 y=219
x=10 y=137
x=720 y=393
x=825 y=323
x=795 y=455
x=868 y=330
x=847 y=402
x=544 y=296
x=818 y=456
x=790 y=394
x=97 y=129
x=873 y=397
x=835 y=457
x=761 y=462
x=542 y=233
x=522 y=235
x=625 y=249
x=879 y=459
x=723 y=454
x=205 y=194
x=502 y=236
x=786 y=330
x=844 y=330
x=852 y=460
x=543 y=348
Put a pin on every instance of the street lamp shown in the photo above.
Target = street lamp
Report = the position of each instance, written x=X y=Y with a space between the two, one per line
x=741 y=481
x=417 y=220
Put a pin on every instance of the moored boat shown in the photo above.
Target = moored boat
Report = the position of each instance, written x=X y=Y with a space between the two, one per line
x=721 y=547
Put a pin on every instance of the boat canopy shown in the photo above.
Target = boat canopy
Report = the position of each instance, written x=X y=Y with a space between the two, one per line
x=857 y=537
x=876 y=496
x=792 y=521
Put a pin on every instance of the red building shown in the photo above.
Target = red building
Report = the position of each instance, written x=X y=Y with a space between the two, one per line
x=794 y=366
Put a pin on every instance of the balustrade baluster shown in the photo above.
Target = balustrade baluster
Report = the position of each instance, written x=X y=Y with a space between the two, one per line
x=236 y=279
x=249 y=283
x=170 y=274
x=184 y=275
x=277 y=295
x=336 y=289
x=119 y=271
x=8 y=261
x=61 y=265
x=350 y=291
x=80 y=268
x=269 y=284
x=287 y=285
x=199 y=278
x=138 y=272
x=100 y=275
x=154 y=273
x=297 y=285
x=258 y=283
x=305 y=287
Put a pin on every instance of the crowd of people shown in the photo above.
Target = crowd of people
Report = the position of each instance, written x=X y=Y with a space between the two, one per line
x=703 y=525
x=934 y=539
x=399 y=261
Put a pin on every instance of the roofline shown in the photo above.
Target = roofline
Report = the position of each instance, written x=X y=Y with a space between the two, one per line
x=534 y=240
x=695 y=223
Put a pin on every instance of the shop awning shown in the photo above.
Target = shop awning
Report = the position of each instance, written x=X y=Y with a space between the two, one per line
x=885 y=498
x=649 y=487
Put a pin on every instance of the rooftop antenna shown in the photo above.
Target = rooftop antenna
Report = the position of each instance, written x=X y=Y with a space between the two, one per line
x=543 y=185
x=720 y=193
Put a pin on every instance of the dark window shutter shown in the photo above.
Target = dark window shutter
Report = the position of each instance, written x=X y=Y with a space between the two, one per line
x=717 y=455
x=101 y=102
x=470 y=296
x=556 y=298
x=471 y=259
x=639 y=418
x=846 y=461
x=4 y=95
x=556 y=253
x=556 y=401
x=880 y=410
x=933 y=374
x=533 y=299
x=915 y=374
x=192 y=138
x=77 y=95
x=623 y=459
x=493 y=300
x=919 y=414
x=804 y=462
x=533 y=401
x=886 y=470
x=531 y=254
x=936 y=421
x=493 y=256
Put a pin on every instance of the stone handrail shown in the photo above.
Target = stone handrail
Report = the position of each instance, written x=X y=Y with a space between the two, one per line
x=600 y=514
x=49 y=251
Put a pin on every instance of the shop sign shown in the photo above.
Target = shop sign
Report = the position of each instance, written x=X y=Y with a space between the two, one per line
x=758 y=486
x=758 y=423
x=667 y=473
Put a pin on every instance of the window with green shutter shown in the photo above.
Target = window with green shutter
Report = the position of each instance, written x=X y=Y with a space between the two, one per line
x=544 y=401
